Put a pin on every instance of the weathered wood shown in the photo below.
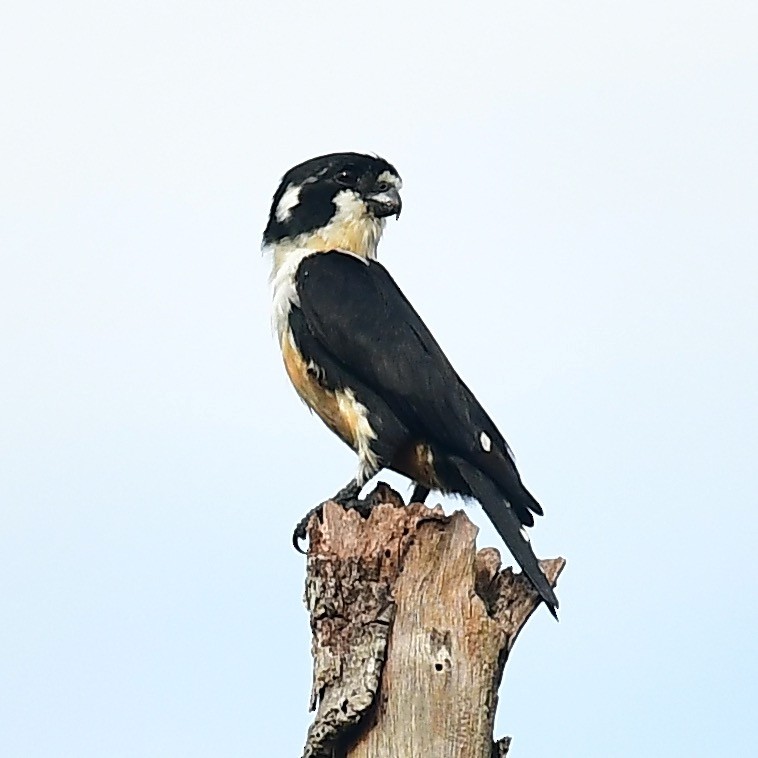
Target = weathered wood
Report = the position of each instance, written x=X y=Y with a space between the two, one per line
x=411 y=631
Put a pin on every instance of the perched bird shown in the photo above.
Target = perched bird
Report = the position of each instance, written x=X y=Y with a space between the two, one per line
x=362 y=359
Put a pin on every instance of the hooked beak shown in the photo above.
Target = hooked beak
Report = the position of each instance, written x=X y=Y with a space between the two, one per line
x=387 y=203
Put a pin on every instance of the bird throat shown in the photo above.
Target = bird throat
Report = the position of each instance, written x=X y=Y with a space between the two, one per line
x=354 y=234
x=352 y=229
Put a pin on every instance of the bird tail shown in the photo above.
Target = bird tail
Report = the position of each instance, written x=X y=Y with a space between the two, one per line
x=509 y=527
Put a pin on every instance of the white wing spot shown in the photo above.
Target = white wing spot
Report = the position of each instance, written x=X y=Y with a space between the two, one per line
x=486 y=442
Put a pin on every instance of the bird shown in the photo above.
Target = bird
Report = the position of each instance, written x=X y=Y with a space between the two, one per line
x=363 y=360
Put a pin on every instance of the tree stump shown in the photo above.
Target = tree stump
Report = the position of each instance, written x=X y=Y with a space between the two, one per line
x=412 y=628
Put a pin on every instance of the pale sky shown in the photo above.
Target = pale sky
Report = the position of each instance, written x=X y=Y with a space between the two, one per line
x=580 y=233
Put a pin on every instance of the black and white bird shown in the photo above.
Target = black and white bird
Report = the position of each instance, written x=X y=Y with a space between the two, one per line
x=362 y=359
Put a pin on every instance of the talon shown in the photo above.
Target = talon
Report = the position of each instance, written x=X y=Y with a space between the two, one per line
x=297 y=535
x=300 y=532
x=353 y=503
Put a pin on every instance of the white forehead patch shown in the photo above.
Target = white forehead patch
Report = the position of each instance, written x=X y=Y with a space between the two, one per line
x=390 y=178
x=290 y=199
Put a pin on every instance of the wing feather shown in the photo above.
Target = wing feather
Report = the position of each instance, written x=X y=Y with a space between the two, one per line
x=360 y=316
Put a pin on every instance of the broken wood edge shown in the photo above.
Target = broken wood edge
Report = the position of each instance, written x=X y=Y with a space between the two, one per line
x=353 y=564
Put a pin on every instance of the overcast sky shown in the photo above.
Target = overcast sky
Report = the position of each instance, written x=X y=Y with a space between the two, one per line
x=579 y=231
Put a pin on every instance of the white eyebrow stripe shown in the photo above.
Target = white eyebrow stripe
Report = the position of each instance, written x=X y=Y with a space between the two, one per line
x=290 y=199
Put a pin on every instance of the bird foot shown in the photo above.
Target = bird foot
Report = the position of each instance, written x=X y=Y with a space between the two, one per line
x=363 y=506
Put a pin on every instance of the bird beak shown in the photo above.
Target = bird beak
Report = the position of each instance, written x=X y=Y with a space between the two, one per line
x=387 y=203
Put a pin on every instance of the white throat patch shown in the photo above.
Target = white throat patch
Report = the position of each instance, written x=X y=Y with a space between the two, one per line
x=352 y=228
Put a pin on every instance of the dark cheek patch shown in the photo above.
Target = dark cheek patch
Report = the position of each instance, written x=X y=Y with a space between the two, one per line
x=313 y=211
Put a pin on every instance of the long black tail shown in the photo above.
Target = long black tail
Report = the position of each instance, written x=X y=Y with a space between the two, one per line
x=508 y=527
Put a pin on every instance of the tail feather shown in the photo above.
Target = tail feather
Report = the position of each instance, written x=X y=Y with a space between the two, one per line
x=508 y=526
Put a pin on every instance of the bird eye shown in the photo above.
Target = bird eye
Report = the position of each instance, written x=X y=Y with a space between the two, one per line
x=345 y=177
x=382 y=186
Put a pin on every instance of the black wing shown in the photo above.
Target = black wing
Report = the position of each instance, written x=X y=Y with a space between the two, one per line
x=358 y=314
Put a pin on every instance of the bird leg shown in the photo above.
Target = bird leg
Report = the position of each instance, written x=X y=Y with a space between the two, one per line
x=348 y=493
x=347 y=497
x=419 y=494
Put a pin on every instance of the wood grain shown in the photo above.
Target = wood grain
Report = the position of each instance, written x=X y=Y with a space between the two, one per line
x=411 y=631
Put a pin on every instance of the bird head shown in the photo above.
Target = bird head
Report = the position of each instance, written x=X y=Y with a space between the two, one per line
x=334 y=202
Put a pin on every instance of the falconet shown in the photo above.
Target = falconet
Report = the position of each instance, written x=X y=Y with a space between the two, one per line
x=362 y=359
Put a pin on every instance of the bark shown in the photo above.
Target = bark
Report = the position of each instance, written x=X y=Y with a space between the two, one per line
x=412 y=628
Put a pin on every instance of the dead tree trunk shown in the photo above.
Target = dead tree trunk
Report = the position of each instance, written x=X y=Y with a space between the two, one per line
x=411 y=631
